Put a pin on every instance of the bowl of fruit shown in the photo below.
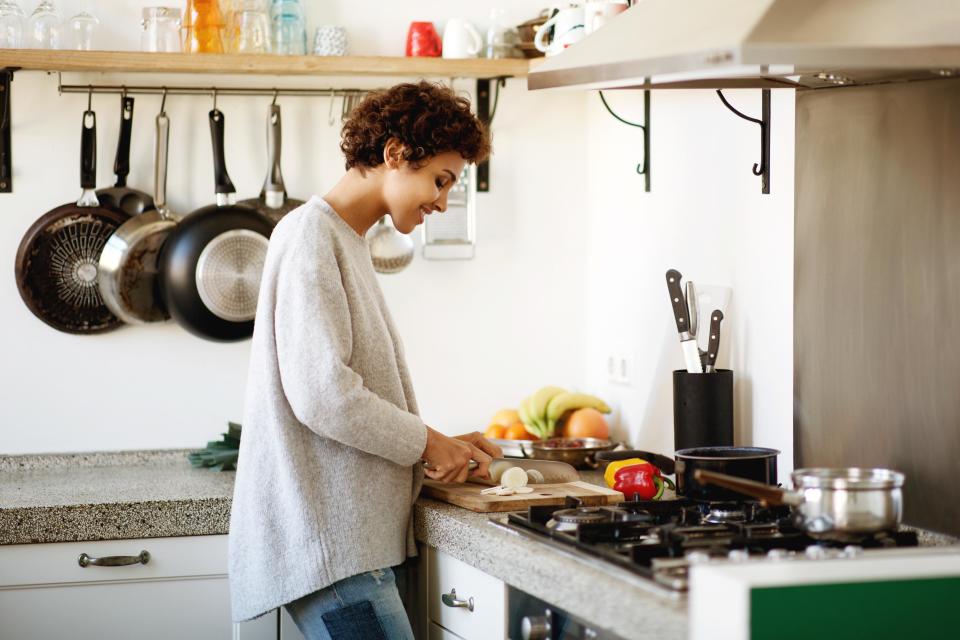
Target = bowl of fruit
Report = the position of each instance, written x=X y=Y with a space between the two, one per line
x=553 y=424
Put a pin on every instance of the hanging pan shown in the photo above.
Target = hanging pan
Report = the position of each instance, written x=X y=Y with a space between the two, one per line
x=57 y=261
x=211 y=263
x=120 y=196
x=128 y=263
x=273 y=201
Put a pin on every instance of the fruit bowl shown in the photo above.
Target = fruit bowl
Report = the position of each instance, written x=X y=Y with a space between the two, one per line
x=514 y=448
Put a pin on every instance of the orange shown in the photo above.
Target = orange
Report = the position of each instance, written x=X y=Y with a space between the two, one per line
x=495 y=431
x=505 y=417
x=518 y=431
x=586 y=423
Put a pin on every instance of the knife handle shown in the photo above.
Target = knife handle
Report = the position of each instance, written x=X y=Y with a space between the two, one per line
x=713 y=348
x=678 y=302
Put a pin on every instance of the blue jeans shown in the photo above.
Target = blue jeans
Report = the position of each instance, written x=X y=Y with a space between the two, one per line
x=362 y=607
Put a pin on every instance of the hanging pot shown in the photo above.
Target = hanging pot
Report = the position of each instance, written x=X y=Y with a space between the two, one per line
x=120 y=196
x=273 y=201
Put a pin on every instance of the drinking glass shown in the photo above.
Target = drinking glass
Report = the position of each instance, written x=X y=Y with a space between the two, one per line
x=82 y=28
x=161 y=29
x=289 y=27
x=44 y=27
x=11 y=24
x=250 y=27
x=203 y=27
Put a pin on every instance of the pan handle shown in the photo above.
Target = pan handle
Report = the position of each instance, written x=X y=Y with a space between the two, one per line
x=221 y=179
x=160 y=164
x=765 y=492
x=88 y=151
x=121 y=165
x=274 y=192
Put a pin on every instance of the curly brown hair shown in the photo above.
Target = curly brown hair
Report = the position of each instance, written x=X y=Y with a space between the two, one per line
x=427 y=119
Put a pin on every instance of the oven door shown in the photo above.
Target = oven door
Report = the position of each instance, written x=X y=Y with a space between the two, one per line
x=530 y=618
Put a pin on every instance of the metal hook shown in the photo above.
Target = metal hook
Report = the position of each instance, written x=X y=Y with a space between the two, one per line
x=214 y=90
x=276 y=92
x=163 y=102
x=759 y=169
x=644 y=167
x=90 y=98
x=123 y=93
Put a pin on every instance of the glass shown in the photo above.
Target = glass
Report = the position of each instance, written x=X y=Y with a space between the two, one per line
x=249 y=27
x=44 y=27
x=11 y=24
x=161 y=29
x=82 y=29
x=288 y=27
x=502 y=40
x=203 y=27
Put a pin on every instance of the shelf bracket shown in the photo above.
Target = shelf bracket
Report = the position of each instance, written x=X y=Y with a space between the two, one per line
x=6 y=149
x=486 y=113
x=642 y=169
x=763 y=169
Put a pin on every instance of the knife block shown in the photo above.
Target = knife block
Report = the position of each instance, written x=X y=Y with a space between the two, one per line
x=702 y=409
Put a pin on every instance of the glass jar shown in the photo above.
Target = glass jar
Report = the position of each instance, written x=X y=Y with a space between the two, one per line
x=248 y=26
x=82 y=29
x=160 y=30
x=11 y=24
x=289 y=29
x=203 y=27
x=44 y=27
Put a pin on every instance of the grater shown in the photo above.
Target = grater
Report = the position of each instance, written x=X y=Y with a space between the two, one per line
x=451 y=235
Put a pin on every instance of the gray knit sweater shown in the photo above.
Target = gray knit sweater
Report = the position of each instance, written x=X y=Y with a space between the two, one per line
x=328 y=471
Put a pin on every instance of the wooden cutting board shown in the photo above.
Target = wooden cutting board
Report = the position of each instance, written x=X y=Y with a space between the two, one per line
x=467 y=495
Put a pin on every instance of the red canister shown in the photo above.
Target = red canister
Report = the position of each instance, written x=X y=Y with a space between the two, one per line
x=423 y=40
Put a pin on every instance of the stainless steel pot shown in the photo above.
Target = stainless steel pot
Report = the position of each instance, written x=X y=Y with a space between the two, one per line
x=831 y=503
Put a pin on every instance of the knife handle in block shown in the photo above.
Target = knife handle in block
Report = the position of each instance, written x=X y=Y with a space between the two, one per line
x=678 y=302
x=714 y=345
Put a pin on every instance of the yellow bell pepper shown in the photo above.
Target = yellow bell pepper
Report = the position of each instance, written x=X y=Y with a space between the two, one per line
x=613 y=467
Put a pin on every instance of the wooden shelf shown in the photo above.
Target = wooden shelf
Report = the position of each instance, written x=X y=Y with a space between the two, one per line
x=140 y=62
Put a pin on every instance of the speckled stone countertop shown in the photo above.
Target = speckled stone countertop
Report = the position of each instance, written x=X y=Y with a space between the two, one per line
x=145 y=494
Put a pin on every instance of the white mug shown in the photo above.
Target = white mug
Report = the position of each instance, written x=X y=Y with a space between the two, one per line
x=597 y=13
x=461 y=39
x=567 y=26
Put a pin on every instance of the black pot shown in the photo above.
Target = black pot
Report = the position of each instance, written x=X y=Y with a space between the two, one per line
x=752 y=463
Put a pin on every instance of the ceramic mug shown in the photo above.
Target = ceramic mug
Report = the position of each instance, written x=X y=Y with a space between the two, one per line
x=423 y=40
x=330 y=40
x=597 y=13
x=461 y=39
x=567 y=26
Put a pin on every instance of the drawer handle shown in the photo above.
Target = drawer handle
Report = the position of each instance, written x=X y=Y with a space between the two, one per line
x=114 y=561
x=450 y=599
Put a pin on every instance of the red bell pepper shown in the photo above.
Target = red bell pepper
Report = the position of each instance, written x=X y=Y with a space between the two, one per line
x=641 y=481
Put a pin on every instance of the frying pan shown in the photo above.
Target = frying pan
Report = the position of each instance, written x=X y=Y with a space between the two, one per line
x=120 y=196
x=273 y=201
x=128 y=263
x=212 y=261
x=57 y=260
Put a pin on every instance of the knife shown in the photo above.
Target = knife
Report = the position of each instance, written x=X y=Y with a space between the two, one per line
x=713 y=347
x=693 y=308
x=553 y=472
x=691 y=354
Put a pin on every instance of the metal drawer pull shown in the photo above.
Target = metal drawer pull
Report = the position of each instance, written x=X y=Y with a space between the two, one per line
x=450 y=599
x=114 y=561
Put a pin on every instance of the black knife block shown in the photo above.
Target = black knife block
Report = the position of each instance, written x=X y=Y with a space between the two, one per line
x=702 y=409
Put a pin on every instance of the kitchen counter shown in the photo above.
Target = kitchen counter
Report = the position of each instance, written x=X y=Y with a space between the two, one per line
x=144 y=494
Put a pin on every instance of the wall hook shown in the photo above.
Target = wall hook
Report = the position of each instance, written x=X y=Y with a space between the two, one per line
x=214 y=90
x=163 y=101
x=90 y=98
x=644 y=168
x=763 y=168
x=275 y=94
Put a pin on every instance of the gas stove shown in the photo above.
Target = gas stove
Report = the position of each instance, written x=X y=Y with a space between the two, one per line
x=661 y=540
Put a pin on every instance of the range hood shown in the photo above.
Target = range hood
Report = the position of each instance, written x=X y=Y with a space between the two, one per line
x=803 y=44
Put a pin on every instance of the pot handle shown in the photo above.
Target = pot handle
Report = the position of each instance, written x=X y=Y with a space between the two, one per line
x=665 y=464
x=765 y=492
x=221 y=179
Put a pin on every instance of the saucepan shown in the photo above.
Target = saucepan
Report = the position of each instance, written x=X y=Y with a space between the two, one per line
x=753 y=463
x=830 y=503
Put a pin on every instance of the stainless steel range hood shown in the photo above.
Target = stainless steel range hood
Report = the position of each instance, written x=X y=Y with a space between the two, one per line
x=807 y=44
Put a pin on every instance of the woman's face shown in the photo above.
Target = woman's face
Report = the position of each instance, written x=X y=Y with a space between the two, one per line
x=414 y=192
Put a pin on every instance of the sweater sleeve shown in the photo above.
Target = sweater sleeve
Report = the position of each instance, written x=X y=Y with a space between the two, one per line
x=314 y=344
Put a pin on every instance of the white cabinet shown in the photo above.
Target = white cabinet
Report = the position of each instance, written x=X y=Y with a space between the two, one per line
x=182 y=591
x=463 y=600
x=439 y=633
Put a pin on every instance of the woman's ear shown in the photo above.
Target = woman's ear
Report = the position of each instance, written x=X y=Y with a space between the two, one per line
x=393 y=153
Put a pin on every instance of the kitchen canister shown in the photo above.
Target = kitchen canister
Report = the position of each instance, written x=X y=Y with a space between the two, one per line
x=330 y=40
x=702 y=409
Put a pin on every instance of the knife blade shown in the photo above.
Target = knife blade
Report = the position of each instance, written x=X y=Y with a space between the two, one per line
x=693 y=307
x=691 y=353
x=713 y=347
x=554 y=472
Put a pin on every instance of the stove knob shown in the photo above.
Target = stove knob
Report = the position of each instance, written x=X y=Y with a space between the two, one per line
x=815 y=552
x=535 y=628
x=852 y=551
x=778 y=554
x=738 y=555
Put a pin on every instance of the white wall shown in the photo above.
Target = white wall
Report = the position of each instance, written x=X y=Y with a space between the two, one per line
x=706 y=217
x=569 y=268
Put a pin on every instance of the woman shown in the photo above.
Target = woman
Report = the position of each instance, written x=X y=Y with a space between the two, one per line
x=332 y=449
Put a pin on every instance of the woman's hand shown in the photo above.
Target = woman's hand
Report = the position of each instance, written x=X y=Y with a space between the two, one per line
x=449 y=458
x=476 y=439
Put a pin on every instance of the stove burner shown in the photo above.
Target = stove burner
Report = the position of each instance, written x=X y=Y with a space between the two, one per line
x=724 y=512
x=569 y=519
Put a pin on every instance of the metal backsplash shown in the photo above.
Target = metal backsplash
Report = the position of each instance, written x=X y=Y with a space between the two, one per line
x=877 y=288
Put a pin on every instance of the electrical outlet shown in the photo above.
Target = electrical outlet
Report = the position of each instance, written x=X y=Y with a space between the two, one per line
x=619 y=368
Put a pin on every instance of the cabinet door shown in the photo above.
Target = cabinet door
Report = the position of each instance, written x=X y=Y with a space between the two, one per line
x=448 y=576
x=439 y=633
x=181 y=592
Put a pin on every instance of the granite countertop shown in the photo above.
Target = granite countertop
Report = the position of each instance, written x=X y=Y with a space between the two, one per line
x=144 y=494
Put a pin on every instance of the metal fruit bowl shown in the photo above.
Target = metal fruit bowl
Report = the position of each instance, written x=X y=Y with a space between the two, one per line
x=579 y=452
x=514 y=448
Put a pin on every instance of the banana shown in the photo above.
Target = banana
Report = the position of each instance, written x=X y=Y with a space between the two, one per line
x=524 y=412
x=564 y=402
x=540 y=400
